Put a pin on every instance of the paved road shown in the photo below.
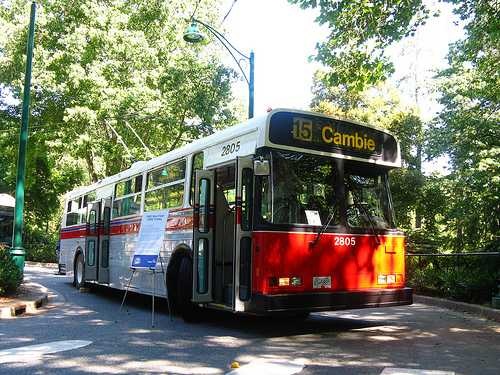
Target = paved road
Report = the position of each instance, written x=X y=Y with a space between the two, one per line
x=348 y=342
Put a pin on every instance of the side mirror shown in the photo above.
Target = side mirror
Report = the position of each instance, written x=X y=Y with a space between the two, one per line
x=261 y=168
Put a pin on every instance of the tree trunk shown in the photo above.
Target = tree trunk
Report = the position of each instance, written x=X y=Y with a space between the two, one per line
x=89 y=158
x=418 y=211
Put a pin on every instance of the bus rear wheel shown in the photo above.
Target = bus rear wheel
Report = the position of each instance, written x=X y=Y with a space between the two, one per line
x=79 y=272
x=186 y=308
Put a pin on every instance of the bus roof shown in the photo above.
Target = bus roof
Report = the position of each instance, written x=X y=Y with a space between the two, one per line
x=261 y=131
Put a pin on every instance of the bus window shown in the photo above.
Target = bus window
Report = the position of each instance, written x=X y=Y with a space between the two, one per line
x=165 y=187
x=368 y=203
x=301 y=187
x=127 y=199
x=204 y=200
x=197 y=164
x=73 y=215
x=203 y=254
x=89 y=197
x=246 y=199
x=91 y=252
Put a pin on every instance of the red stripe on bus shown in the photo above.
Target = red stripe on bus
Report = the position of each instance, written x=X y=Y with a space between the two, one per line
x=173 y=224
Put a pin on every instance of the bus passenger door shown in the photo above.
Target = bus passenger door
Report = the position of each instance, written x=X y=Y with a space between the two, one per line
x=203 y=236
x=92 y=242
x=243 y=238
x=103 y=274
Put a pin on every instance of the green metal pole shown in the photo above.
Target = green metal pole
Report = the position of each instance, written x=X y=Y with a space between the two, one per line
x=17 y=249
x=251 y=84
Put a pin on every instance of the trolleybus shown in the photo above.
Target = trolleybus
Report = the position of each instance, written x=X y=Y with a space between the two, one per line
x=289 y=212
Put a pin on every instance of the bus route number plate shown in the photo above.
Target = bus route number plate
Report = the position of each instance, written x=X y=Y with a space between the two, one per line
x=322 y=282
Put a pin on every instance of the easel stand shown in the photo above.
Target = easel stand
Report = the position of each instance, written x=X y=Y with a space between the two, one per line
x=154 y=272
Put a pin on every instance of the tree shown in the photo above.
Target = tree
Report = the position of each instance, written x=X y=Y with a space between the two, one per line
x=113 y=82
x=360 y=32
x=467 y=129
x=112 y=79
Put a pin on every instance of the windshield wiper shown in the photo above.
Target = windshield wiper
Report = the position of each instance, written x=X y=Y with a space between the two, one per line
x=361 y=207
x=322 y=229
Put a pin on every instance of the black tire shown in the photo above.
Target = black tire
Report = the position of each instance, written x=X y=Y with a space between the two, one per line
x=79 y=272
x=173 y=273
x=186 y=308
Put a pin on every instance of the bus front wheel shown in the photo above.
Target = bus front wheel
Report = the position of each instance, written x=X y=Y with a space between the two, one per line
x=79 y=272
x=186 y=308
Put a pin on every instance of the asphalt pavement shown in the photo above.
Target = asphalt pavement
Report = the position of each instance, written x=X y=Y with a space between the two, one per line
x=85 y=333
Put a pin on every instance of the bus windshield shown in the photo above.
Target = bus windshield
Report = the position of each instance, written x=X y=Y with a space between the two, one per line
x=301 y=190
x=368 y=201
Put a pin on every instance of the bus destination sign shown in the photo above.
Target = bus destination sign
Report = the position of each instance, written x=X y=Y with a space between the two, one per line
x=332 y=136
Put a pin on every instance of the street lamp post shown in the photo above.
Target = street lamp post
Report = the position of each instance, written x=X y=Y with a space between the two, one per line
x=193 y=35
x=17 y=250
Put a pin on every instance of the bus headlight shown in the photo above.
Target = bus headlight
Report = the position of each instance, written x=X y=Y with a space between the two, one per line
x=391 y=279
x=284 y=281
x=386 y=279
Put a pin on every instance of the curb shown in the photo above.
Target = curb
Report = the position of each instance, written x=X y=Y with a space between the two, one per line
x=23 y=307
x=41 y=264
x=485 y=312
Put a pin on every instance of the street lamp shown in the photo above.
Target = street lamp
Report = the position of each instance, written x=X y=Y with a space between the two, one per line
x=193 y=35
x=17 y=250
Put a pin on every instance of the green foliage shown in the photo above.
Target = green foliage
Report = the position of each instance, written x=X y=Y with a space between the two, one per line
x=469 y=279
x=467 y=129
x=40 y=245
x=10 y=275
x=113 y=82
x=360 y=31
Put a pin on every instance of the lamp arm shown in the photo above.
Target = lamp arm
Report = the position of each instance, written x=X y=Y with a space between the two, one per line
x=234 y=58
x=216 y=32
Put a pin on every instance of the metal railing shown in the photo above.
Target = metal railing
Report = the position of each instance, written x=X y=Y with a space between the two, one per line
x=453 y=254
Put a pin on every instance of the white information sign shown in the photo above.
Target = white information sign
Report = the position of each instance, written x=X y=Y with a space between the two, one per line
x=313 y=217
x=150 y=239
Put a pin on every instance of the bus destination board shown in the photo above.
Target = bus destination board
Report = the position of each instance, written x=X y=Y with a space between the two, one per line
x=332 y=136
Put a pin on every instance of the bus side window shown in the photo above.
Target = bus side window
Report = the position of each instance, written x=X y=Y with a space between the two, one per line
x=165 y=186
x=197 y=164
x=265 y=194
x=73 y=212
x=127 y=198
x=92 y=220
x=204 y=199
x=246 y=199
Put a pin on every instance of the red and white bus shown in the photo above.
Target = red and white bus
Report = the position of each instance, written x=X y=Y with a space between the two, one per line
x=289 y=212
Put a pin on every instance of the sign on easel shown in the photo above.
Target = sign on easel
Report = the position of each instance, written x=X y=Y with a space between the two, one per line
x=150 y=239
x=147 y=250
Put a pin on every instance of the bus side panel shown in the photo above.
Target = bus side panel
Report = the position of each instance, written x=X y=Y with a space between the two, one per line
x=124 y=234
x=72 y=238
x=337 y=262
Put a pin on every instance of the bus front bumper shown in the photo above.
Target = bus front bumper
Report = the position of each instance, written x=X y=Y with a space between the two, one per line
x=265 y=304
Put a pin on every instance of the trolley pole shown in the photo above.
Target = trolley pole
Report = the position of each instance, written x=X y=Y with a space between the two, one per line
x=17 y=251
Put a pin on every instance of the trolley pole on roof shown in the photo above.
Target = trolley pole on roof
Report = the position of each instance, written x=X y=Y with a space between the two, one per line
x=17 y=250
